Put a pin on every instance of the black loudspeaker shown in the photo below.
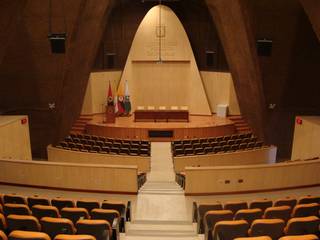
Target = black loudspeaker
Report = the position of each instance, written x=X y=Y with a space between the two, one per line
x=58 y=42
x=264 y=47
x=110 y=60
x=210 y=58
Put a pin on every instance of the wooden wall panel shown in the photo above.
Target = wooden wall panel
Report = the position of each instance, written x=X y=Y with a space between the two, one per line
x=248 y=157
x=306 y=139
x=10 y=15
x=233 y=22
x=70 y=176
x=253 y=178
x=15 y=138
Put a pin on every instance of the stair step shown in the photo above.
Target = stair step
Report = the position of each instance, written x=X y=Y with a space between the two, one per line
x=160 y=228
x=238 y=125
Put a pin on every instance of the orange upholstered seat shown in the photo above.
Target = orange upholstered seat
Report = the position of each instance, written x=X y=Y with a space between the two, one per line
x=23 y=222
x=74 y=237
x=228 y=230
x=55 y=226
x=267 y=227
x=302 y=225
x=281 y=212
x=27 y=235
x=249 y=215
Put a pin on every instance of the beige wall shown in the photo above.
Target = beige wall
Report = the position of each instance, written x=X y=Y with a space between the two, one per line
x=220 y=90
x=306 y=140
x=87 y=177
x=97 y=90
x=176 y=81
x=61 y=155
x=14 y=138
x=218 y=86
x=250 y=178
x=255 y=156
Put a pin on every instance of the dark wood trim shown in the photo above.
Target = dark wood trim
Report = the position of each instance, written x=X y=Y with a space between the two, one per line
x=68 y=189
x=252 y=191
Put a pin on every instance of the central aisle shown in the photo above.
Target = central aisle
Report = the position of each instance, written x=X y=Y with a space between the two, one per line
x=161 y=208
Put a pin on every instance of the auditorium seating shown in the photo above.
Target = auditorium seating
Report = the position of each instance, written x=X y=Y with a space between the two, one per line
x=23 y=222
x=228 y=143
x=99 y=144
x=280 y=217
x=27 y=235
x=105 y=219
x=3 y=236
x=55 y=226
x=230 y=229
x=74 y=237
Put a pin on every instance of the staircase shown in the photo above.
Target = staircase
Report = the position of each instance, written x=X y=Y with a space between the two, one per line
x=161 y=209
x=240 y=123
x=80 y=125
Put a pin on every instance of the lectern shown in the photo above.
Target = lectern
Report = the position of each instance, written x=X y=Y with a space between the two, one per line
x=110 y=114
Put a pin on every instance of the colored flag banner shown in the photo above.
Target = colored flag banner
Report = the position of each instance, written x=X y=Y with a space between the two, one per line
x=110 y=96
x=127 y=103
x=120 y=101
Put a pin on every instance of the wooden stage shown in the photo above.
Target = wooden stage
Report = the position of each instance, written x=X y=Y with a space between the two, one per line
x=126 y=128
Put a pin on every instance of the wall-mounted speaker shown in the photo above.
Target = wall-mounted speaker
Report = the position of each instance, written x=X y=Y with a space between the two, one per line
x=58 y=42
x=264 y=47
x=210 y=58
x=110 y=59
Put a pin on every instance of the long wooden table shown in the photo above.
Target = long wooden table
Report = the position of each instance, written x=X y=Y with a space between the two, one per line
x=161 y=115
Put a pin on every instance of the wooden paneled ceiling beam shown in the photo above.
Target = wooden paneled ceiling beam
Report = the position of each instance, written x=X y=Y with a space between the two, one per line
x=312 y=9
x=233 y=21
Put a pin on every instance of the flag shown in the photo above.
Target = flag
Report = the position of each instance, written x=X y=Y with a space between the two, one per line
x=120 y=100
x=110 y=97
x=127 y=103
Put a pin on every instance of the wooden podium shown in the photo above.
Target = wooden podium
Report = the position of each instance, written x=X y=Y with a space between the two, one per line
x=110 y=114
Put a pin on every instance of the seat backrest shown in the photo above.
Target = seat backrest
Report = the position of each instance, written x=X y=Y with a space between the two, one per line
x=235 y=206
x=281 y=212
x=3 y=236
x=119 y=206
x=88 y=204
x=291 y=202
x=28 y=235
x=74 y=237
x=305 y=210
x=302 y=225
x=23 y=222
x=55 y=226
x=105 y=214
x=201 y=211
x=254 y=238
x=15 y=208
x=13 y=198
x=249 y=215
x=262 y=204
x=267 y=227
x=3 y=222
x=300 y=237
x=228 y=230
x=62 y=203
x=309 y=199
x=214 y=216
x=74 y=214
x=37 y=201
x=40 y=211
x=100 y=229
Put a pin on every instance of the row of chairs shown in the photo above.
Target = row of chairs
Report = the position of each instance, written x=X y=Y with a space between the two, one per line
x=215 y=139
x=179 y=152
x=282 y=208
x=71 y=220
x=220 y=225
x=144 y=152
x=23 y=235
x=52 y=227
x=72 y=137
x=43 y=207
